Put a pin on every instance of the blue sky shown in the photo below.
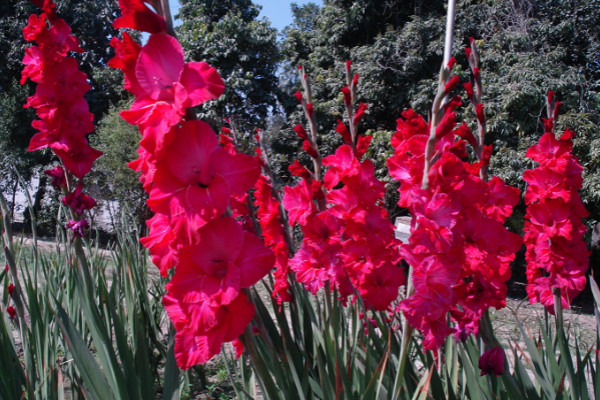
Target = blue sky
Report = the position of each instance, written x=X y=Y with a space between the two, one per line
x=277 y=11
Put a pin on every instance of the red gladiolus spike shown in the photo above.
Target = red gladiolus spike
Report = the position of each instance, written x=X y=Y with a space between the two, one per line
x=65 y=119
x=556 y=254
x=457 y=222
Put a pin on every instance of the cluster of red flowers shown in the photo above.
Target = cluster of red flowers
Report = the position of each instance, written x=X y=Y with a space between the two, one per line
x=556 y=255
x=191 y=181
x=348 y=238
x=64 y=114
x=459 y=249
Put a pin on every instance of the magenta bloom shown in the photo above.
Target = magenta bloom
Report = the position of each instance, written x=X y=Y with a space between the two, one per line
x=196 y=177
x=57 y=176
x=78 y=227
x=137 y=15
x=225 y=260
x=166 y=87
x=78 y=201
x=492 y=361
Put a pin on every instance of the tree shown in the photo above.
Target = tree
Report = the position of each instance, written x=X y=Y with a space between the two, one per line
x=527 y=48
x=113 y=180
x=227 y=35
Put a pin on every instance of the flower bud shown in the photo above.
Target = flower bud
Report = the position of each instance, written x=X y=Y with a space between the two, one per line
x=492 y=361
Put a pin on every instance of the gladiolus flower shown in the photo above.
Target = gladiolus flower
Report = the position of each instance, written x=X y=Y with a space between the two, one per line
x=78 y=201
x=492 y=362
x=137 y=15
x=57 y=176
x=78 y=227
x=167 y=87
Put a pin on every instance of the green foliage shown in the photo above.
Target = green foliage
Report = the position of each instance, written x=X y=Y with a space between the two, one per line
x=91 y=23
x=90 y=322
x=113 y=179
x=228 y=36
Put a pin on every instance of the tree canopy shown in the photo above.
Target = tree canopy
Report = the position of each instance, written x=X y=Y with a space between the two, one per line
x=228 y=35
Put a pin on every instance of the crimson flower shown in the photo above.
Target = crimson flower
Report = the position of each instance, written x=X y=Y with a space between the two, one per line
x=166 y=87
x=196 y=177
x=11 y=312
x=78 y=201
x=57 y=176
x=160 y=242
x=224 y=260
x=137 y=15
x=78 y=227
x=197 y=344
x=492 y=361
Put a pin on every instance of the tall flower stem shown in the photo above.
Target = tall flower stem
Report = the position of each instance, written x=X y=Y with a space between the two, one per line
x=437 y=110
x=312 y=122
x=165 y=11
